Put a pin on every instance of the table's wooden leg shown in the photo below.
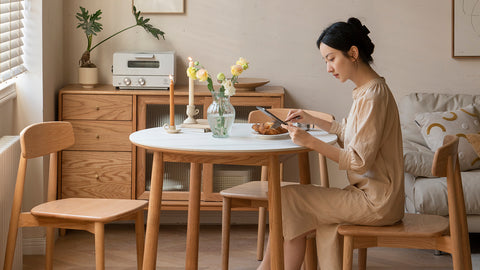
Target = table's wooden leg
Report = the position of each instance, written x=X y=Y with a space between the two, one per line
x=275 y=216
x=304 y=168
x=153 y=218
x=193 y=226
x=322 y=161
x=304 y=173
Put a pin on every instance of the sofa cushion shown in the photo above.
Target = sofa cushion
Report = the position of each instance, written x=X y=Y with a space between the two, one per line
x=435 y=125
x=429 y=195
x=417 y=159
x=415 y=103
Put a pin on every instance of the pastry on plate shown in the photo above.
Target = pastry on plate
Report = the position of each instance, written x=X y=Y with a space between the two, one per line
x=268 y=129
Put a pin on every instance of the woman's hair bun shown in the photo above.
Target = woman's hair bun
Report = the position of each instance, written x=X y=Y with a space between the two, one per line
x=356 y=23
x=364 y=40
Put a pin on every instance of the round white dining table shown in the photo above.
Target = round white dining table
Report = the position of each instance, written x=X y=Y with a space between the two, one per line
x=242 y=147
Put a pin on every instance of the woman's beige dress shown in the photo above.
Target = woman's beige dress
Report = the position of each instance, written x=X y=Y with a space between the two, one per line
x=372 y=156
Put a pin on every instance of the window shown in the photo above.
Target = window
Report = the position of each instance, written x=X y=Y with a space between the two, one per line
x=11 y=15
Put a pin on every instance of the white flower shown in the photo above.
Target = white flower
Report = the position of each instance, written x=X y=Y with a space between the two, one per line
x=229 y=88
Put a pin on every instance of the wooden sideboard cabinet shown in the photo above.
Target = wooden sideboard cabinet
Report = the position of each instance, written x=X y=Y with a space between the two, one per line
x=104 y=164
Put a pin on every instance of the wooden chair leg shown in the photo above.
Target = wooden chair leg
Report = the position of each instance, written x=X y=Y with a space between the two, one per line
x=362 y=259
x=226 y=213
x=10 y=247
x=99 y=246
x=12 y=235
x=347 y=252
x=140 y=238
x=262 y=223
x=466 y=256
x=50 y=244
x=310 y=261
x=15 y=216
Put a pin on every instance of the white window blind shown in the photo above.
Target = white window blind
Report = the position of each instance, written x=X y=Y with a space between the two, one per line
x=11 y=16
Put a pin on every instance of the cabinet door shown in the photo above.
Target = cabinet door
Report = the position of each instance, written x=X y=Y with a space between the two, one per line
x=153 y=111
x=88 y=174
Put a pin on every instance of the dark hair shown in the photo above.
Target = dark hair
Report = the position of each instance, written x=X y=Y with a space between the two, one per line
x=343 y=35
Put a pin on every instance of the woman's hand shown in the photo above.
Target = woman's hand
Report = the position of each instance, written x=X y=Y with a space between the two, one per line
x=299 y=116
x=298 y=135
x=303 y=138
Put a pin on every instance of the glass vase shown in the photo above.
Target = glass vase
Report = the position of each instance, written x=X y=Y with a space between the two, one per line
x=220 y=115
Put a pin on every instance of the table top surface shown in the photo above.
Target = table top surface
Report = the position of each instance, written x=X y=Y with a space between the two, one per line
x=242 y=139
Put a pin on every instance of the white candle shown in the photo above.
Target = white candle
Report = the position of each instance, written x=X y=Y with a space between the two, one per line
x=190 y=84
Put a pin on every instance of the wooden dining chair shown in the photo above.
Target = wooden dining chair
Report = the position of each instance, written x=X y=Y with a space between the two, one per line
x=420 y=231
x=254 y=194
x=88 y=214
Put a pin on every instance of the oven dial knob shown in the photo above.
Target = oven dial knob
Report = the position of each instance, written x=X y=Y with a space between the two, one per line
x=127 y=81
x=141 y=81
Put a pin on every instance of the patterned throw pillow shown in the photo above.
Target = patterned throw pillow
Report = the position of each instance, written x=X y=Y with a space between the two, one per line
x=435 y=125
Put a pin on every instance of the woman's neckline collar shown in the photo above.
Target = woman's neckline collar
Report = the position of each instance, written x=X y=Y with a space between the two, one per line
x=359 y=89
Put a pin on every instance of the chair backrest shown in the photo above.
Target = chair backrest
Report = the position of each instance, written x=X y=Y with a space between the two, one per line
x=45 y=138
x=258 y=117
x=446 y=164
x=445 y=154
x=38 y=140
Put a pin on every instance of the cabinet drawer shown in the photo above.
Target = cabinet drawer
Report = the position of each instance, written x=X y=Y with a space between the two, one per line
x=102 y=135
x=96 y=107
x=96 y=174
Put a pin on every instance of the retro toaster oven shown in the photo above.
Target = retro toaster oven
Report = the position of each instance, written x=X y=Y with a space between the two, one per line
x=143 y=70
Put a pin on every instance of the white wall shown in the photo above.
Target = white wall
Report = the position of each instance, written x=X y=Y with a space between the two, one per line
x=29 y=106
x=36 y=94
x=52 y=52
x=412 y=38
x=6 y=111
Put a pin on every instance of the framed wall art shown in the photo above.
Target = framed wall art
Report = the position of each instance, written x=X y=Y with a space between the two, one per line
x=160 y=6
x=465 y=28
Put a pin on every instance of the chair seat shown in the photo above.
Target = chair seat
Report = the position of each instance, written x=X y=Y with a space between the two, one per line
x=412 y=225
x=88 y=209
x=254 y=190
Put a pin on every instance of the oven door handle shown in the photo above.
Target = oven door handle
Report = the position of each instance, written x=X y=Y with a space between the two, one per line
x=144 y=56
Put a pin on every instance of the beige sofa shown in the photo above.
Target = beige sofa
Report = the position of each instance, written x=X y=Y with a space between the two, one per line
x=424 y=193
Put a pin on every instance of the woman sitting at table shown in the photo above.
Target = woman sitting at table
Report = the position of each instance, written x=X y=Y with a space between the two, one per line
x=371 y=153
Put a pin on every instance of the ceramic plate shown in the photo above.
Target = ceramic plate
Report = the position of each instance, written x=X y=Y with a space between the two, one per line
x=271 y=137
x=250 y=83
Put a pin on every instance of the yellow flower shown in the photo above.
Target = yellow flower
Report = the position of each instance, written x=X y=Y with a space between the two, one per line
x=242 y=62
x=202 y=74
x=191 y=73
x=236 y=70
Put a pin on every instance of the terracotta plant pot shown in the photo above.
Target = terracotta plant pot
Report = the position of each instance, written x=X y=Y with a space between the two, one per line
x=88 y=76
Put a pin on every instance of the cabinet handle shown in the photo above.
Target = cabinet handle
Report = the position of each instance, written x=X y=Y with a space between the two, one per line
x=97 y=136
x=97 y=176
x=97 y=108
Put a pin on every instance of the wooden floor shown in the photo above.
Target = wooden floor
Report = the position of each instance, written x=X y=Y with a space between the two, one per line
x=75 y=251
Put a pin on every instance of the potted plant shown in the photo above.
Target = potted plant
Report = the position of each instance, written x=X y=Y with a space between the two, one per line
x=87 y=74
